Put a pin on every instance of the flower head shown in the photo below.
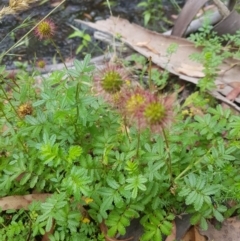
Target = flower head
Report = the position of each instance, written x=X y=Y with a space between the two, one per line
x=110 y=81
x=41 y=64
x=148 y=110
x=45 y=29
x=25 y=109
x=131 y=102
x=86 y=220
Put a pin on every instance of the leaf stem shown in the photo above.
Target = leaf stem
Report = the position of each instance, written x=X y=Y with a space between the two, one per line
x=25 y=35
x=169 y=161
x=189 y=167
x=9 y=101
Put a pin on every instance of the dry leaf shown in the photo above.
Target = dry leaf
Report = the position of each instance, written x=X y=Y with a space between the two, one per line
x=172 y=236
x=104 y=229
x=152 y=41
x=193 y=235
x=232 y=95
x=146 y=45
x=46 y=235
x=190 y=70
x=18 y=202
x=230 y=231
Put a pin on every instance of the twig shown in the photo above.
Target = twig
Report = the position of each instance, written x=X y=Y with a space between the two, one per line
x=222 y=8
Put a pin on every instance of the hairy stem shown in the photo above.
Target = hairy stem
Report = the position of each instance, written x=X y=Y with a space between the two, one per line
x=9 y=101
x=60 y=55
x=169 y=161
x=189 y=167
x=25 y=35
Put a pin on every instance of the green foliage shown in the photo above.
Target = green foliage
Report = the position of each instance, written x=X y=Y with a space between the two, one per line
x=215 y=50
x=156 y=225
x=60 y=138
x=153 y=14
x=85 y=38
x=158 y=77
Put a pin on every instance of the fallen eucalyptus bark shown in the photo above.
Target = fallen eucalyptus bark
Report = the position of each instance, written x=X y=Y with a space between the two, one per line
x=214 y=18
x=18 y=202
x=155 y=45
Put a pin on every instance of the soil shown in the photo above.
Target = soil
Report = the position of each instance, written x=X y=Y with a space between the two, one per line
x=88 y=10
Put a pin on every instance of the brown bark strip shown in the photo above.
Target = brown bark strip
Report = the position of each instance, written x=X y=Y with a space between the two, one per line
x=18 y=202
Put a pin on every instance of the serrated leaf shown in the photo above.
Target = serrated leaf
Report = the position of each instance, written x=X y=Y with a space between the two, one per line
x=184 y=192
x=218 y=215
x=25 y=178
x=155 y=221
x=147 y=16
x=33 y=181
x=155 y=203
x=170 y=217
x=230 y=150
x=112 y=183
x=148 y=235
x=121 y=228
x=166 y=228
x=125 y=221
x=222 y=208
x=142 y=187
x=49 y=224
x=208 y=200
x=191 y=198
x=130 y=213
x=192 y=180
x=203 y=223
x=106 y=204
x=112 y=231
x=134 y=193
x=198 y=202
x=105 y=191
x=118 y=200
x=158 y=235
x=200 y=184
x=229 y=157
x=210 y=190
x=159 y=214
x=195 y=218
x=38 y=103
x=31 y=120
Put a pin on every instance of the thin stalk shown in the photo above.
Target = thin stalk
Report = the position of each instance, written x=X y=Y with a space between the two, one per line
x=60 y=55
x=14 y=81
x=189 y=167
x=125 y=127
x=25 y=35
x=109 y=7
x=150 y=74
x=5 y=116
x=77 y=101
x=138 y=144
x=183 y=172
x=174 y=3
x=7 y=119
x=114 y=39
x=77 y=98
x=169 y=162
x=6 y=96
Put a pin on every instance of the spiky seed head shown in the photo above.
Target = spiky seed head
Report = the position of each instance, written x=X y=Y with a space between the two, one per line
x=45 y=30
x=147 y=110
x=109 y=82
x=41 y=64
x=112 y=81
x=154 y=113
x=25 y=109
